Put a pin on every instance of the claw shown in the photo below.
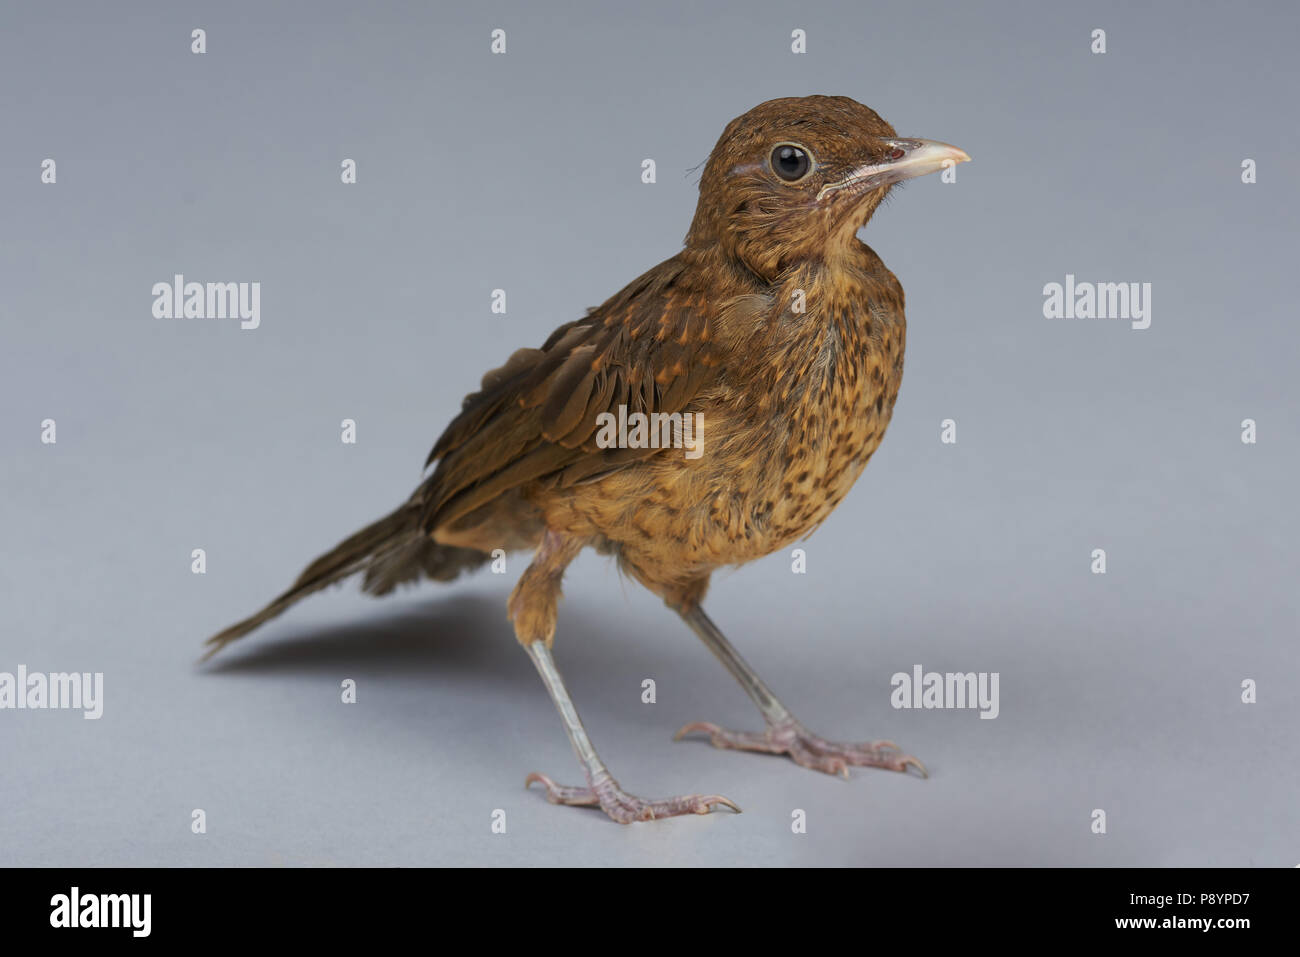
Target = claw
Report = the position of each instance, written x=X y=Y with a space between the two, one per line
x=558 y=793
x=713 y=799
x=538 y=776
x=704 y=726
x=919 y=766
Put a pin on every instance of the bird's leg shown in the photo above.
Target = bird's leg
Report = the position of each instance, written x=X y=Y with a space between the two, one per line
x=784 y=734
x=601 y=787
x=532 y=608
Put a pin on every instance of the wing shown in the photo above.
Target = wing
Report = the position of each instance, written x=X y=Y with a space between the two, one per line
x=650 y=348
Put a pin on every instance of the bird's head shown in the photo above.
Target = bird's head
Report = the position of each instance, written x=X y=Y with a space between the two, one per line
x=794 y=179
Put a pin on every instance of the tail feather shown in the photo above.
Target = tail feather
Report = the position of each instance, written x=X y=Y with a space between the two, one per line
x=419 y=556
x=391 y=551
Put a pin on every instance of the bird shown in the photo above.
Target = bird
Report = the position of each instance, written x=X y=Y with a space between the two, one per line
x=766 y=356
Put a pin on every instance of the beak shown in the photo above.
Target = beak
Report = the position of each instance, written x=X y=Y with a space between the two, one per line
x=907 y=158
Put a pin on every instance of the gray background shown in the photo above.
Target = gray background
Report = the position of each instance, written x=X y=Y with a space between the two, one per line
x=523 y=171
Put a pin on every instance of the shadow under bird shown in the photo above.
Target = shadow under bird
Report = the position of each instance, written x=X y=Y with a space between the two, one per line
x=775 y=327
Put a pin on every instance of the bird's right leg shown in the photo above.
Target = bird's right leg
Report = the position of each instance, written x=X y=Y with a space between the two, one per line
x=532 y=609
x=784 y=734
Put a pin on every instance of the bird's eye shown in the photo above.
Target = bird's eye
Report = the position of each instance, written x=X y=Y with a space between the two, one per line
x=790 y=162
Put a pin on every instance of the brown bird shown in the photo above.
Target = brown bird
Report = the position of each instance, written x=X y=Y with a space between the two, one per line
x=765 y=357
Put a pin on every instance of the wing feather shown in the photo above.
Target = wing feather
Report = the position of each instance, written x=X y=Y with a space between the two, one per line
x=649 y=348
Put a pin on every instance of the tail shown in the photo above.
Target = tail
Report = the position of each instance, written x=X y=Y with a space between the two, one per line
x=391 y=552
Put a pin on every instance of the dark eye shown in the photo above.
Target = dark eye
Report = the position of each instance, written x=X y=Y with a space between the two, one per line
x=791 y=162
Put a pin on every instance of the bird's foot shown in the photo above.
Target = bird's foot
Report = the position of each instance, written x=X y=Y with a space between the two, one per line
x=807 y=749
x=626 y=808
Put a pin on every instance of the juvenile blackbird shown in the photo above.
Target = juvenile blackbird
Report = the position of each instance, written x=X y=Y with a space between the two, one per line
x=775 y=329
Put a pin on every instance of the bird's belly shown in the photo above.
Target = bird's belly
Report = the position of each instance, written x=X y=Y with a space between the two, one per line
x=805 y=478
x=757 y=486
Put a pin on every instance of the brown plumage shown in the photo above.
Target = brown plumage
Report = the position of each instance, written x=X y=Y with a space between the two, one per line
x=775 y=328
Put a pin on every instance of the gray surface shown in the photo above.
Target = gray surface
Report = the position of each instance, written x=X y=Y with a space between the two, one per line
x=1118 y=692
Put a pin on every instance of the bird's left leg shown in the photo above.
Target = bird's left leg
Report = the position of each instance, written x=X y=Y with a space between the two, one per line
x=784 y=734
x=532 y=609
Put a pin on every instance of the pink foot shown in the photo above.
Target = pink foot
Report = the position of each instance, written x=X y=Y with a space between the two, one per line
x=626 y=808
x=807 y=749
